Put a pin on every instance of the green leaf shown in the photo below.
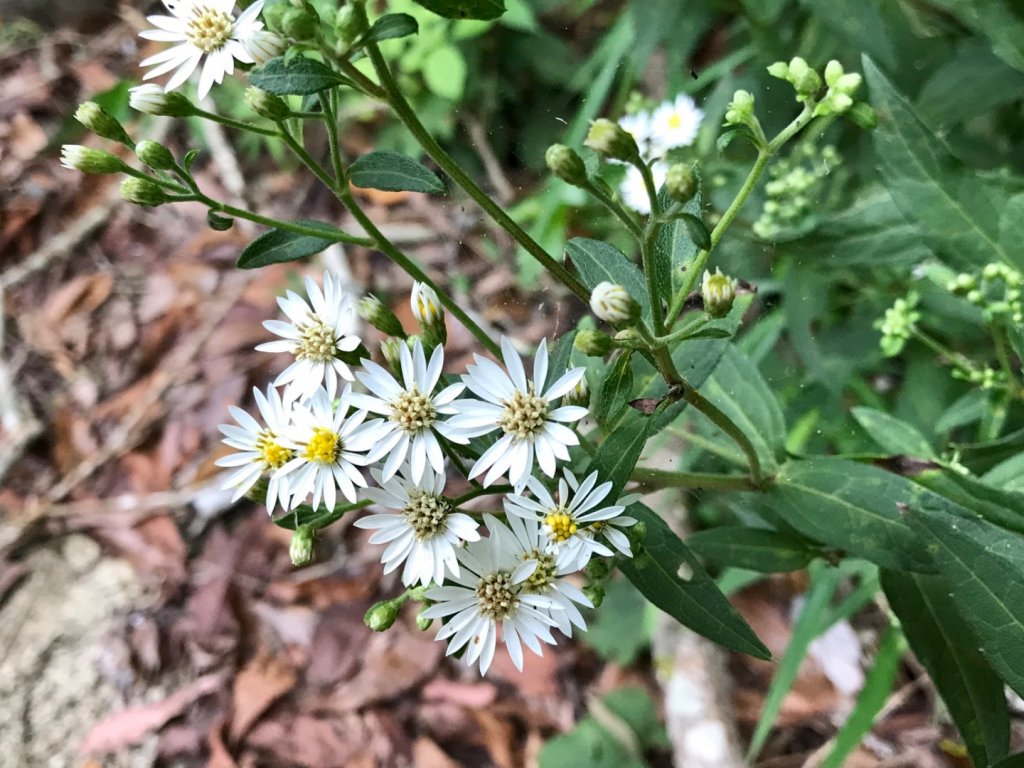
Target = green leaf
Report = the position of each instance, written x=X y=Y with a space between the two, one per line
x=444 y=72
x=1013 y=761
x=618 y=453
x=965 y=410
x=996 y=20
x=1002 y=507
x=598 y=262
x=465 y=9
x=958 y=213
x=697 y=230
x=670 y=576
x=619 y=631
x=862 y=25
x=300 y=76
x=950 y=95
x=560 y=357
x=945 y=646
x=1008 y=474
x=983 y=569
x=278 y=246
x=391 y=26
x=616 y=391
x=755 y=549
x=893 y=435
x=850 y=506
x=677 y=242
x=318 y=518
x=393 y=172
x=1011 y=228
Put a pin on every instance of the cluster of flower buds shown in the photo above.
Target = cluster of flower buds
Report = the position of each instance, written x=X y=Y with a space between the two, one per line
x=795 y=184
x=997 y=291
x=898 y=324
x=841 y=86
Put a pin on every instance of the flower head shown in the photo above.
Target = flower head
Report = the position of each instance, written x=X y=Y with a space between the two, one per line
x=317 y=336
x=201 y=28
x=426 y=530
x=612 y=303
x=522 y=410
x=490 y=595
x=674 y=124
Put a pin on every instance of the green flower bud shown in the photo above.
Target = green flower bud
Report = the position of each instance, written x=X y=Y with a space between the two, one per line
x=258 y=492
x=151 y=99
x=266 y=104
x=681 y=182
x=566 y=164
x=779 y=69
x=897 y=325
x=594 y=593
x=718 y=292
x=88 y=160
x=373 y=311
x=833 y=71
x=797 y=69
x=741 y=109
x=273 y=15
x=848 y=84
x=429 y=312
x=301 y=547
x=611 y=140
x=637 y=534
x=99 y=121
x=349 y=24
x=391 y=350
x=155 y=155
x=143 y=192
x=613 y=304
x=593 y=343
x=382 y=615
x=863 y=115
x=807 y=84
x=578 y=395
x=300 y=24
x=598 y=568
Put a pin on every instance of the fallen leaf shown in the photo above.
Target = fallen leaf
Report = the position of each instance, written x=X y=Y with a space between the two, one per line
x=472 y=695
x=262 y=682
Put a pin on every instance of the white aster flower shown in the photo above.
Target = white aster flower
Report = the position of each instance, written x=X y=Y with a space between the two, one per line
x=425 y=532
x=674 y=124
x=639 y=127
x=317 y=335
x=489 y=596
x=633 y=191
x=576 y=525
x=530 y=542
x=522 y=410
x=411 y=411
x=330 y=445
x=148 y=98
x=262 y=448
x=201 y=28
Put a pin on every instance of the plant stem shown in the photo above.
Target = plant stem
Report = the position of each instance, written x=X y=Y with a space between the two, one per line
x=660 y=478
x=337 y=235
x=478 y=492
x=237 y=124
x=1002 y=343
x=408 y=116
x=617 y=210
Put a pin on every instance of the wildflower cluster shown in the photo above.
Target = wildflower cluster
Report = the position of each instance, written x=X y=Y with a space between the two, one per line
x=794 y=190
x=898 y=324
x=996 y=290
x=333 y=416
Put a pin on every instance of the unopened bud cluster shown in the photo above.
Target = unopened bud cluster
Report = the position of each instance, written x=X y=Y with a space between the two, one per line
x=795 y=183
x=841 y=88
x=997 y=291
x=897 y=325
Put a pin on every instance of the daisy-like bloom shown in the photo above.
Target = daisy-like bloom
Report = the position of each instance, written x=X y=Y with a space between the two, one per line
x=489 y=595
x=317 y=335
x=201 y=28
x=263 y=450
x=530 y=542
x=674 y=124
x=522 y=410
x=410 y=409
x=329 y=445
x=632 y=189
x=576 y=525
x=426 y=530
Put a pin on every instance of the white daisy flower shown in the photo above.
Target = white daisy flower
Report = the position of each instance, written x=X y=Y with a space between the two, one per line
x=674 y=124
x=634 y=193
x=319 y=332
x=262 y=448
x=576 y=525
x=639 y=127
x=530 y=542
x=426 y=531
x=201 y=28
x=329 y=445
x=489 y=595
x=524 y=412
x=411 y=411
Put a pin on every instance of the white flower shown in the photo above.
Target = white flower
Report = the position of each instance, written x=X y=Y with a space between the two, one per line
x=639 y=127
x=426 y=531
x=530 y=543
x=576 y=524
x=201 y=28
x=316 y=335
x=148 y=98
x=633 y=191
x=411 y=411
x=612 y=303
x=264 y=45
x=523 y=411
x=426 y=307
x=262 y=447
x=674 y=124
x=489 y=595
x=329 y=444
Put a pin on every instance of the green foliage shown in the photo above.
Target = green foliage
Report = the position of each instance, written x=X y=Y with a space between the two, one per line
x=621 y=627
x=299 y=76
x=465 y=9
x=279 y=245
x=393 y=172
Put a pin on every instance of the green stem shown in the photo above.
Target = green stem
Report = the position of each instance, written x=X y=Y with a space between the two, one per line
x=1002 y=343
x=476 y=493
x=718 y=417
x=337 y=235
x=408 y=116
x=660 y=478
x=957 y=360
x=627 y=219
x=237 y=124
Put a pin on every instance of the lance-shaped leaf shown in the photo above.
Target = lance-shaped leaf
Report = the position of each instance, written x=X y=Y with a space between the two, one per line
x=393 y=172
x=298 y=76
x=279 y=245
x=465 y=9
x=599 y=262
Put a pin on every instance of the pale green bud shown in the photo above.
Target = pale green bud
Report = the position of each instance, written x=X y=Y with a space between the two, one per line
x=143 y=192
x=718 y=292
x=382 y=615
x=349 y=24
x=808 y=84
x=779 y=69
x=898 y=324
x=151 y=99
x=373 y=311
x=89 y=160
x=273 y=15
x=741 y=109
x=391 y=350
x=798 y=68
x=99 y=121
x=301 y=548
x=848 y=84
x=155 y=155
x=611 y=140
x=594 y=593
x=566 y=164
x=300 y=23
x=613 y=304
x=833 y=71
x=593 y=343
x=681 y=182
x=266 y=104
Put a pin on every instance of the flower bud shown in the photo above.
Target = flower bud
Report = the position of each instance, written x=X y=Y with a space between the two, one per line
x=594 y=593
x=718 y=292
x=273 y=15
x=88 y=160
x=593 y=343
x=143 y=192
x=578 y=395
x=349 y=24
x=613 y=304
x=798 y=67
x=566 y=164
x=636 y=535
x=681 y=182
x=301 y=547
x=598 y=568
x=611 y=140
x=373 y=311
x=863 y=115
x=300 y=24
x=382 y=615
x=99 y=121
x=833 y=71
x=427 y=309
x=808 y=84
x=779 y=69
x=741 y=109
x=264 y=45
x=266 y=104
x=151 y=99
x=155 y=155
x=848 y=84
x=391 y=350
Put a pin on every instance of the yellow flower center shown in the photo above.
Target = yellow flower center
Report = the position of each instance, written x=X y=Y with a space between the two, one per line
x=561 y=526
x=323 y=447
x=209 y=29
x=524 y=415
x=272 y=455
x=426 y=513
x=539 y=582
x=495 y=597
x=413 y=411
x=316 y=342
x=675 y=121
